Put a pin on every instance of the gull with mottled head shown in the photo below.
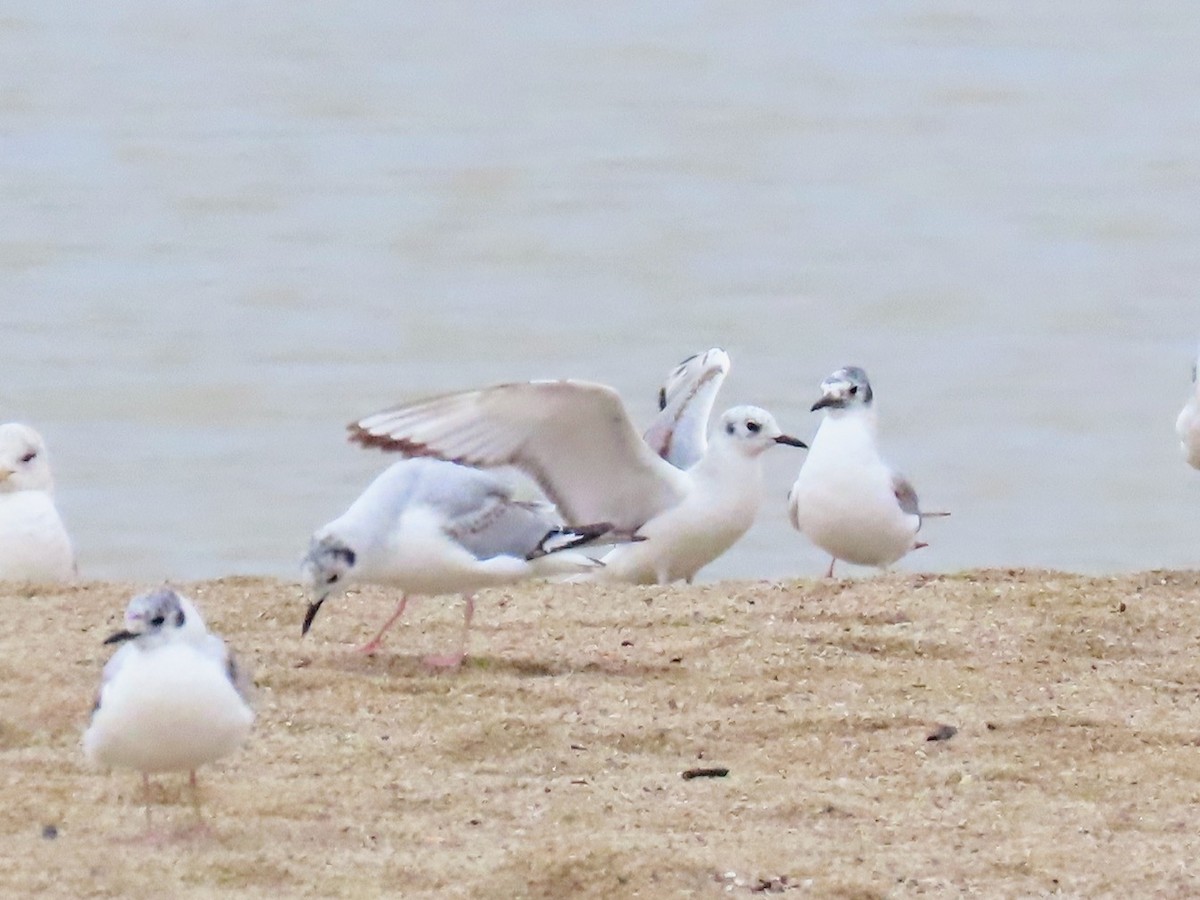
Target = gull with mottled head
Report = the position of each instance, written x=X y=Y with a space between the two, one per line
x=847 y=500
x=171 y=698
x=431 y=527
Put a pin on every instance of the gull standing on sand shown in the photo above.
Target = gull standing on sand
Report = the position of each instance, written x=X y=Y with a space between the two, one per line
x=576 y=441
x=846 y=499
x=431 y=527
x=1187 y=426
x=679 y=433
x=34 y=545
x=171 y=698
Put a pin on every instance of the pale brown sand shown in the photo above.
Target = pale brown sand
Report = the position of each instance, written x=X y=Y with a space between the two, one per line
x=550 y=766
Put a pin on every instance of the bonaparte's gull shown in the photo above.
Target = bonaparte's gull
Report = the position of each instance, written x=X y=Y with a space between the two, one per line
x=433 y=527
x=576 y=440
x=846 y=499
x=34 y=545
x=1188 y=424
x=171 y=698
x=679 y=433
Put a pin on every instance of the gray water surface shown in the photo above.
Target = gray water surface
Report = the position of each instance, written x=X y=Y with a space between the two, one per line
x=228 y=229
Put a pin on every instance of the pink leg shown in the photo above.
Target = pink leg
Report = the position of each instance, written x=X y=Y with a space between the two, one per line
x=373 y=645
x=454 y=660
x=829 y=571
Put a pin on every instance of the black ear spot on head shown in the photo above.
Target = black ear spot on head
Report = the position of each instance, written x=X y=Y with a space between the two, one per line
x=180 y=618
x=345 y=554
x=730 y=429
x=662 y=398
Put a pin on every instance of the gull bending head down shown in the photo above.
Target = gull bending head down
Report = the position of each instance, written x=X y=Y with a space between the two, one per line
x=431 y=527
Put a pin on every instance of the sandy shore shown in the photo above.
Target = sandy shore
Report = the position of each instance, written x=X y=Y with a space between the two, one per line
x=550 y=766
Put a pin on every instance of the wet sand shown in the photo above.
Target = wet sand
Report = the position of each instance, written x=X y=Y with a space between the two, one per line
x=550 y=765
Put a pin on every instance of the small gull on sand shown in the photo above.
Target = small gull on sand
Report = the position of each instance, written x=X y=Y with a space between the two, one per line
x=1187 y=426
x=679 y=433
x=171 y=698
x=846 y=499
x=431 y=527
x=34 y=545
x=576 y=441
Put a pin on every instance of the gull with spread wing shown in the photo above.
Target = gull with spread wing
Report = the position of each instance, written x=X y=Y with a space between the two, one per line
x=576 y=441
x=679 y=433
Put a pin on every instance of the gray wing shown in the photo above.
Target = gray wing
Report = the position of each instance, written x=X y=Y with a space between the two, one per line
x=573 y=438
x=905 y=495
x=485 y=519
x=110 y=670
x=212 y=646
x=679 y=433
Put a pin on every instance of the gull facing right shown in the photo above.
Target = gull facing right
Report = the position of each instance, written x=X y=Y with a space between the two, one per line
x=847 y=500
x=34 y=545
x=576 y=441
x=1187 y=426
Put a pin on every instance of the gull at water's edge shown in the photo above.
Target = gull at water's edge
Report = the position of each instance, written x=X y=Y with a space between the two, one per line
x=34 y=545
x=576 y=441
x=847 y=500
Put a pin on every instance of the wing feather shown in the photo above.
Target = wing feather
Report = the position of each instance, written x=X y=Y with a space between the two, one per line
x=573 y=438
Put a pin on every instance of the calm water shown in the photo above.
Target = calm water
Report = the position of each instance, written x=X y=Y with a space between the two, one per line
x=226 y=230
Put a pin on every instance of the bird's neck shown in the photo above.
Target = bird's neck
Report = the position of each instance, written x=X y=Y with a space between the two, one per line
x=846 y=432
x=725 y=461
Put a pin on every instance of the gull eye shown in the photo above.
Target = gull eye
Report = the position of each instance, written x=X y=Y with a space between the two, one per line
x=29 y=457
x=157 y=621
x=331 y=579
x=853 y=389
x=753 y=427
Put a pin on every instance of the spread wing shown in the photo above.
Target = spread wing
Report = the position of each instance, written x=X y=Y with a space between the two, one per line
x=679 y=433
x=573 y=438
